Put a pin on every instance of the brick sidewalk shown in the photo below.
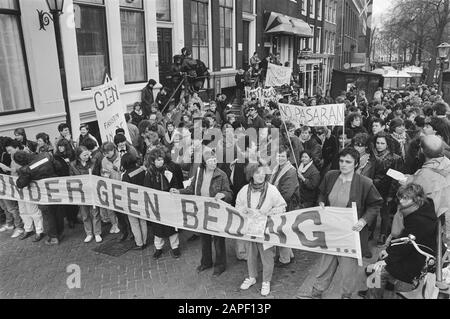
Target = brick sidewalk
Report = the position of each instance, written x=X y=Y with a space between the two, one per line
x=30 y=270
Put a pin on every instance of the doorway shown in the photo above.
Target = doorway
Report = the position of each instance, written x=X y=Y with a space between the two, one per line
x=246 y=47
x=165 y=55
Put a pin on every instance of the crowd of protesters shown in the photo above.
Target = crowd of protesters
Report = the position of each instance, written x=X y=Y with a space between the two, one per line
x=328 y=166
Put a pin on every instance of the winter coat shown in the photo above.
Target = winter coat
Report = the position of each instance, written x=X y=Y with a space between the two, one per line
x=288 y=187
x=385 y=185
x=219 y=184
x=240 y=81
x=112 y=167
x=362 y=192
x=157 y=179
x=329 y=150
x=135 y=176
x=137 y=118
x=434 y=177
x=369 y=169
x=147 y=100
x=97 y=158
x=162 y=101
x=77 y=169
x=42 y=166
x=309 y=188
x=315 y=149
x=403 y=261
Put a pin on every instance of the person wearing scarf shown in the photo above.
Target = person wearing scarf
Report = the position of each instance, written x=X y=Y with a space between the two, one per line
x=111 y=169
x=398 y=134
x=210 y=181
x=90 y=215
x=416 y=216
x=160 y=178
x=259 y=198
x=284 y=178
x=386 y=186
x=309 y=179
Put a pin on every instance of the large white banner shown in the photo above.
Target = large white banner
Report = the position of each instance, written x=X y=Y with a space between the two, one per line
x=327 y=231
x=110 y=111
x=322 y=115
x=278 y=75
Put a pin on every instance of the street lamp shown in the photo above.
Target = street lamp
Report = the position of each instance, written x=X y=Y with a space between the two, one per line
x=443 y=52
x=56 y=8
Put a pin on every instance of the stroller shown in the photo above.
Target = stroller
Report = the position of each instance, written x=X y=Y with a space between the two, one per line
x=424 y=285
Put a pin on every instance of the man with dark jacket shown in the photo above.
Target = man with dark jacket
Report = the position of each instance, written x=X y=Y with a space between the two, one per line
x=34 y=168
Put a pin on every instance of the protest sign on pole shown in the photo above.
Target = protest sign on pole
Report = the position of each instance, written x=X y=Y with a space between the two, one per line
x=278 y=75
x=109 y=109
x=263 y=95
x=326 y=231
x=322 y=115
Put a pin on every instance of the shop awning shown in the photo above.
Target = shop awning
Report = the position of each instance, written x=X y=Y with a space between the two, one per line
x=279 y=23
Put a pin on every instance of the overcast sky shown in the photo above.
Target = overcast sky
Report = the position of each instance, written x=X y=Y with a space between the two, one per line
x=379 y=6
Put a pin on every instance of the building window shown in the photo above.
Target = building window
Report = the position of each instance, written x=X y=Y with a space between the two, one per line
x=162 y=10
x=247 y=6
x=226 y=33
x=133 y=43
x=320 y=8
x=92 y=42
x=304 y=6
x=312 y=8
x=200 y=35
x=14 y=80
x=334 y=11
x=318 y=39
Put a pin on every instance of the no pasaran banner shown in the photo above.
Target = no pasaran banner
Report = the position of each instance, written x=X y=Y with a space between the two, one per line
x=327 y=231
x=322 y=115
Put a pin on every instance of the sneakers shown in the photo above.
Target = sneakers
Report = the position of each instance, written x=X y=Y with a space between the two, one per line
x=88 y=239
x=98 y=239
x=114 y=230
x=17 y=233
x=6 y=228
x=248 y=282
x=265 y=288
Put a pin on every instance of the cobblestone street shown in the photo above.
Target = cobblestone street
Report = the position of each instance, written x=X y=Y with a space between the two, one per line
x=30 y=270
